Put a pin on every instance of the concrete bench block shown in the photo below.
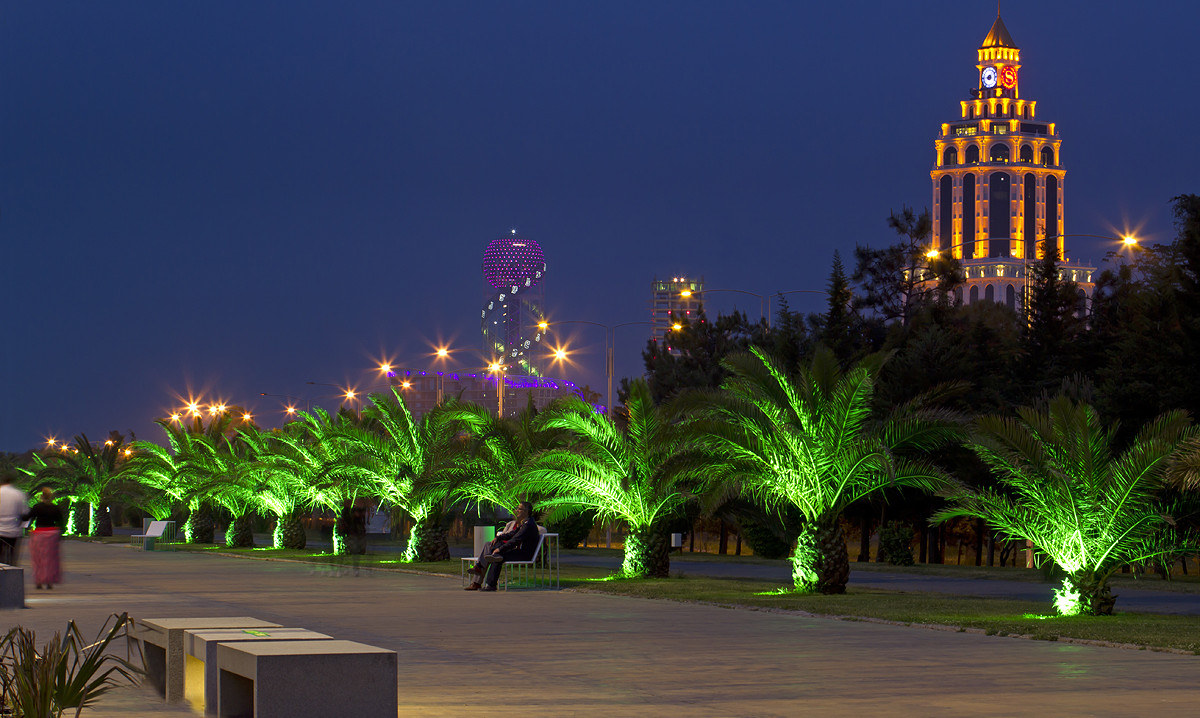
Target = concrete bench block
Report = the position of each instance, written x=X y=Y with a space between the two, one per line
x=289 y=679
x=162 y=647
x=12 y=586
x=200 y=661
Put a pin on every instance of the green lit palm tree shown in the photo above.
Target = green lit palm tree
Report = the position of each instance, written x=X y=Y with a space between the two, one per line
x=279 y=490
x=504 y=448
x=90 y=474
x=418 y=467
x=812 y=443
x=310 y=450
x=640 y=474
x=1087 y=508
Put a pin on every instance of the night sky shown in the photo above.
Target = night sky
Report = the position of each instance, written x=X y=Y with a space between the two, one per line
x=227 y=198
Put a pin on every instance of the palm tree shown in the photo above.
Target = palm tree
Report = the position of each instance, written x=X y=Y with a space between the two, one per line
x=503 y=447
x=417 y=467
x=638 y=474
x=812 y=443
x=309 y=450
x=1088 y=509
x=89 y=474
x=278 y=489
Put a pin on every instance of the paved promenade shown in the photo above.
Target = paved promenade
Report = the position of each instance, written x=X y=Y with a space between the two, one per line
x=577 y=654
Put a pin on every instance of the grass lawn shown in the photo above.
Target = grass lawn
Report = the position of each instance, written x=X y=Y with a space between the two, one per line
x=992 y=615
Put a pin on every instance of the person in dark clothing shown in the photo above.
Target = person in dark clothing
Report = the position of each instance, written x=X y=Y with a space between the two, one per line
x=46 y=520
x=515 y=545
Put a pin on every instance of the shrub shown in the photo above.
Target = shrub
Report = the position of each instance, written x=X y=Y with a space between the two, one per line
x=895 y=543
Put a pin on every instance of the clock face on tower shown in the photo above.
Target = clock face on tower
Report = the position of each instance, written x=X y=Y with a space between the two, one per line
x=988 y=77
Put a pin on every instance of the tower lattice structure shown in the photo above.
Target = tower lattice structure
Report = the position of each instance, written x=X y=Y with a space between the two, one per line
x=998 y=182
x=514 y=268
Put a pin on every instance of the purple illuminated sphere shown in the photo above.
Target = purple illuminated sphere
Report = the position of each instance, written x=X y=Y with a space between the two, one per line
x=512 y=260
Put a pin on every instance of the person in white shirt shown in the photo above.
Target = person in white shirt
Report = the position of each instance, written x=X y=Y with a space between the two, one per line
x=14 y=504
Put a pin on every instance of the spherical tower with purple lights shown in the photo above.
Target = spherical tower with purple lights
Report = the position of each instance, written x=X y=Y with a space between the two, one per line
x=514 y=267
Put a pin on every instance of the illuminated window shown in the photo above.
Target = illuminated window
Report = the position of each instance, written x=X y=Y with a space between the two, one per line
x=965 y=130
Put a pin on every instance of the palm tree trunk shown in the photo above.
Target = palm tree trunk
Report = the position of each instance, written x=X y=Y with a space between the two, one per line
x=240 y=533
x=428 y=542
x=647 y=554
x=102 y=521
x=980 y=528
x=1084 y=594
x=864 y=536
x=821 y=563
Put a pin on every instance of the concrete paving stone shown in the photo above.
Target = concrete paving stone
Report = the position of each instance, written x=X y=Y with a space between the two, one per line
x=545 y=653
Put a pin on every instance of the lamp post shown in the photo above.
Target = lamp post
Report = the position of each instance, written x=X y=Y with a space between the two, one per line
x=498 y=369
x=610 y=340
x=290 y=409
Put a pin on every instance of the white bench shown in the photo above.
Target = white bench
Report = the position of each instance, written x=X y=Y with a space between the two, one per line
x=286 y=679
x=200 y=658
x=162 y=647
x=155 y=532
x=540 y=570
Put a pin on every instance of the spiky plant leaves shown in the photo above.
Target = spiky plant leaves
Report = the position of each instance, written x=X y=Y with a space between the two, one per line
x=812 y=443
x=68 y=672
x=1087 y=508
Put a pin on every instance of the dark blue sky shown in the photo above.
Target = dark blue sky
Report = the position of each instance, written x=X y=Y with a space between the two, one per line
x=233 y=198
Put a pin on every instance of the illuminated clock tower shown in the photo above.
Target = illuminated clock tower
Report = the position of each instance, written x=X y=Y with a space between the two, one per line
x=998 y=182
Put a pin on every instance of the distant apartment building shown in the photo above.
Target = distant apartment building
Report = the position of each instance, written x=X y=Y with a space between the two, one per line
x=672 y=300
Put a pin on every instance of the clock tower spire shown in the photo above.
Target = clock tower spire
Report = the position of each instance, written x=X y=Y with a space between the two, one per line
x=998 y=181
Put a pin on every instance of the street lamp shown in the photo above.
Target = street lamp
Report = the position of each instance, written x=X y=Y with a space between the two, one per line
x=288 y=409
x=610 y=340
x=498 y=369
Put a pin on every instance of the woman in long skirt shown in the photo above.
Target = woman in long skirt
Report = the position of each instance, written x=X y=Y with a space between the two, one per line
x=46 y=520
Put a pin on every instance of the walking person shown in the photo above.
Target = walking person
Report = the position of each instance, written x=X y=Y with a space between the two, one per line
x=13 y=506
x=516 y=544
x=46 y=520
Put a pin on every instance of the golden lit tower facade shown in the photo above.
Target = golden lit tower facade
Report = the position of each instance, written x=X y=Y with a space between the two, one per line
x=998 y=182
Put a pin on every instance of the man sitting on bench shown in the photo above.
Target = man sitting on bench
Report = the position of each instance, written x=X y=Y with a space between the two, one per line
x=515 y=545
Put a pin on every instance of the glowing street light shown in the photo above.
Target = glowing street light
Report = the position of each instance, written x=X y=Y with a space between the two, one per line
x=498 y=368
x=247 y=416
x=610 y=340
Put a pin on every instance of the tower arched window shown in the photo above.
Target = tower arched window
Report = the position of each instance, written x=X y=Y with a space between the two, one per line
x=1047 y=156
x=968 y=215
x=999 y=152
x=1027 y=153
x=974 y=294
x=972 y=154
x=990 y=293
x=999 y=196
x=1010 y=296
x=950 y=157
x=945 y=211
x=970 y=113
x=1029 y=207
x=1025 y=112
